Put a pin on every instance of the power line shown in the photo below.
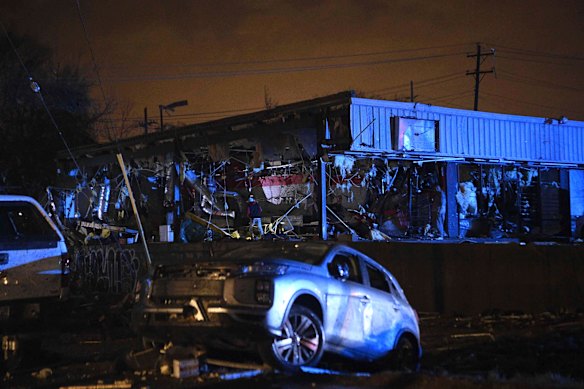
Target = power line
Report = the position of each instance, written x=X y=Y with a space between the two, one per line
x=421 y=83
x=252 y=72
x=95 y=67
x=437 y=82
x=196 y=114
x=537 y=82
x=291 y=59
x=531 y=104
x=418 y=86
x=537 y=53
x=86 y=35
x=535 y=60
x=446 y=97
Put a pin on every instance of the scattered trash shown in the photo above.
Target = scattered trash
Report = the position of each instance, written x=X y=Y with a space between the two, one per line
x=165 y=368
x=125 y=384
x=240 y=374
x=495 y=349
x=474 y=335
x=316 y=370
x=236 y=365
x=142 y=360
x=43 y=374
x=185 y=368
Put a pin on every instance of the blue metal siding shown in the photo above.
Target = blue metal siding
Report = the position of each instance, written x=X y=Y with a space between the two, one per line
x=470 y=134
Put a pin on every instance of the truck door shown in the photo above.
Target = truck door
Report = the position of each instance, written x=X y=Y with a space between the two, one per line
x=30 y=253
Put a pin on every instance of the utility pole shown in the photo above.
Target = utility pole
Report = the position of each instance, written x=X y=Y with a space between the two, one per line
x=145 y=120
x=411 y=91
x=478 y=73
x=146 y=123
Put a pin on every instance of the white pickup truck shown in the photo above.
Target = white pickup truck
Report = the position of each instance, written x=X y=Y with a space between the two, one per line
x=33 y=265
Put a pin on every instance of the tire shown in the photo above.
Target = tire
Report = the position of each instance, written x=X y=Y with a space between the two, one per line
x=405 y=356
x=301 y=343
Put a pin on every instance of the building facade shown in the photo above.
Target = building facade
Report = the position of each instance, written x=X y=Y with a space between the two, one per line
x=341 y=166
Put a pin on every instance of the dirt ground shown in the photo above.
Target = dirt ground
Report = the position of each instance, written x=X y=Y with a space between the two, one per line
x=542 y=349
x=90 y=348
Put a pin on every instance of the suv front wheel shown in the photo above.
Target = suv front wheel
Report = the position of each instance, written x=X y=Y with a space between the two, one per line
x=301 y=342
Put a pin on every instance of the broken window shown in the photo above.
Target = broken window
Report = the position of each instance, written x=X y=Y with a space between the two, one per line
x=377 y=278
x=411 y=134
x=496 y=201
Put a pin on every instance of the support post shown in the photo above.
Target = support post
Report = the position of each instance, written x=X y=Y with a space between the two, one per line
x=411 y=91
x=451 y=205
x=135 y=208
x=322 y=195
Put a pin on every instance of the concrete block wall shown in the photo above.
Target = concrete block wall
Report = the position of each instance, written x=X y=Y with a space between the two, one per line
x=474 y=278
x=462 y=278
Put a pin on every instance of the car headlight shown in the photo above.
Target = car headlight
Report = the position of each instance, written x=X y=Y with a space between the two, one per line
x=264 y=268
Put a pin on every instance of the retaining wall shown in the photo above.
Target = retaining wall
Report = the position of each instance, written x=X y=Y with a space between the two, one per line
x=460 y=278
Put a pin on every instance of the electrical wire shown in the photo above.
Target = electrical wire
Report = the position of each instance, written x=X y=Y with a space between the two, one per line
x=86 y=35
x=451 y=95
x=280 y=70
x=537 y=82
x=535 y=60
x=423 y=83
x=292 y=59
x=442 y=81
x=535 y=53
x=194 y=114
x=215 y=114
x=497 y=96
x=93 y=60
x=426 y=82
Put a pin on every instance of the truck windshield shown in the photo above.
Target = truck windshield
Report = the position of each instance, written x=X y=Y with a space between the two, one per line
x=22 y=221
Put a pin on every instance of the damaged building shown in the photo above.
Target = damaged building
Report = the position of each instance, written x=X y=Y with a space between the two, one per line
x=335 y=167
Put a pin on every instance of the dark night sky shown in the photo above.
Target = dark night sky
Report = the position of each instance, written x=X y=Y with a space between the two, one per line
x=224 y=55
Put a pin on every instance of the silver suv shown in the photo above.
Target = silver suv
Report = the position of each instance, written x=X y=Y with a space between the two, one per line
x=292 y=300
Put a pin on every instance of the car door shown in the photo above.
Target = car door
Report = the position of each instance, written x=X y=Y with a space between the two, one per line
x=386 y=316
x=348 y=308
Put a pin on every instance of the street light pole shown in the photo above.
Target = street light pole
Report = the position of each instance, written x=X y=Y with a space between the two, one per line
x=170 y=107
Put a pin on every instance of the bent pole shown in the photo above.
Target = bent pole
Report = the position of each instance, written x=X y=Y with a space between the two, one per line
x=131 y=194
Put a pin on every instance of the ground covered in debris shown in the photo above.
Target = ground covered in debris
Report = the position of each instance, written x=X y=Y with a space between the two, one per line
x=89 y=348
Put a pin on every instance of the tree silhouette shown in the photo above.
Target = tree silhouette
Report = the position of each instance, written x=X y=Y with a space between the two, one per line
x=29 y=138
